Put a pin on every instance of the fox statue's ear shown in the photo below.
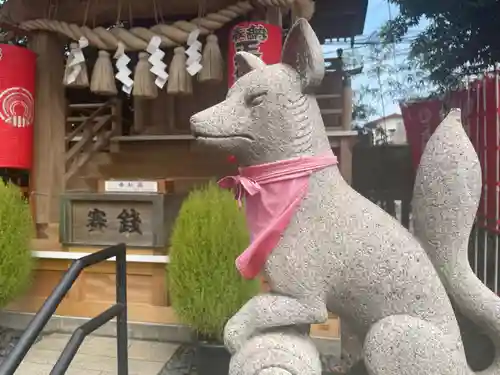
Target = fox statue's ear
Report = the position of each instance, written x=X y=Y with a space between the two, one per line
x=246 y=62
x=302 y=51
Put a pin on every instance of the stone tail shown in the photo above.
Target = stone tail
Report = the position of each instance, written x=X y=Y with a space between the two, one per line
x=446 y=197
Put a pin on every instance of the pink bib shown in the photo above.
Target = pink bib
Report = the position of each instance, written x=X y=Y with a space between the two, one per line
x=272 y=193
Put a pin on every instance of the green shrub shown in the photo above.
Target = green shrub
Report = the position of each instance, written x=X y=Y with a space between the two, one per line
x=16 y=230
x=205 y=286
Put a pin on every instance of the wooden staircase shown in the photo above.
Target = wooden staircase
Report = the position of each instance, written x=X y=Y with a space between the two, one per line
x=90 y=127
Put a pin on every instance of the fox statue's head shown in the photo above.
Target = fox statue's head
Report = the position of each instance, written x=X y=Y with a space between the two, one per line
x=270 y=113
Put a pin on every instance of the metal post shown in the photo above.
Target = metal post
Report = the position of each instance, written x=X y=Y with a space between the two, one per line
x=497 y=178
x=121 y=319
x=476 y=146
x=485 y=179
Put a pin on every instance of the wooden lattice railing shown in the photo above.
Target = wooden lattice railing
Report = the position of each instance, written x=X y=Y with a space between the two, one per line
x=90 y=128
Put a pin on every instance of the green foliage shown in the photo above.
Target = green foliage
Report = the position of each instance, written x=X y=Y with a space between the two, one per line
x=391 y=80
x=208 y=235
x=462 y=36
x=16 y=230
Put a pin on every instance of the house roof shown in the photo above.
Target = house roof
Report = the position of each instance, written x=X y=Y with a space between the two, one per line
x=373 y=124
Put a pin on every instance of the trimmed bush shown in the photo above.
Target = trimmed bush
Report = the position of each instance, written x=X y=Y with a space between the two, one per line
x=16 y=232
x=208 y=235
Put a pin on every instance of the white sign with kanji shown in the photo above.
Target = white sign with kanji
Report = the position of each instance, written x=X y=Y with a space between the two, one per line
x=118 y=186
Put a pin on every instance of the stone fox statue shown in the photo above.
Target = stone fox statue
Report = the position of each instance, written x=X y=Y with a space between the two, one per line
x=323 y=247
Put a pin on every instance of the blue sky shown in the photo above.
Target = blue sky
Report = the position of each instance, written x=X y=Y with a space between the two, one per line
x=379 y=12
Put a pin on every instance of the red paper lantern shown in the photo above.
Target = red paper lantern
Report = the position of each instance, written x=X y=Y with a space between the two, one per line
x=17 y=107
x=261 y=39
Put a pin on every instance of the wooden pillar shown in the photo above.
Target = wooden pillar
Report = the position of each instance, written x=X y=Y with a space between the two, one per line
x=49 y=128
x=346 y=103
x=142 y=111
x=346 y=142
x=117 y=112
x=163 y=112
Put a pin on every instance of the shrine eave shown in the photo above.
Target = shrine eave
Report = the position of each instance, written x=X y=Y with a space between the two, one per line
x=104 y=12
x=339 y=19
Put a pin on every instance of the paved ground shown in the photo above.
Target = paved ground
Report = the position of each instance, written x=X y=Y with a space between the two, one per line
x=97 y=356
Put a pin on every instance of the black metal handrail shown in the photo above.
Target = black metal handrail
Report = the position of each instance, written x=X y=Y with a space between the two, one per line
x=118 y=310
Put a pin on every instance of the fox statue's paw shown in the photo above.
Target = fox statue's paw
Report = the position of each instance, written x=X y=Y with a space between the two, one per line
x=286 y=352
x=234 y=336
x=270 y=311
x=402 y=344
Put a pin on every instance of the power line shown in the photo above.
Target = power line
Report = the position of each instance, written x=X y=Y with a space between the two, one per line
x=380 y=63
x=368 y=39
x=399 y=52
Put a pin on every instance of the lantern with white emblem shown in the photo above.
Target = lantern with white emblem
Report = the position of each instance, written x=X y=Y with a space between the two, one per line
x=259 y=38
x=17 y=90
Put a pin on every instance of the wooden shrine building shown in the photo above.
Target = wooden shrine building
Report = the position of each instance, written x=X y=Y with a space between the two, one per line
x=106 y=123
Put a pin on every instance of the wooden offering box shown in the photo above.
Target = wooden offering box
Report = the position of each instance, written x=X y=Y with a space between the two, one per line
x=102 y=219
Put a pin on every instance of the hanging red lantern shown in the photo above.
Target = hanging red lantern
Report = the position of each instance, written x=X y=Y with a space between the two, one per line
x=17 y=107
x=261 y=39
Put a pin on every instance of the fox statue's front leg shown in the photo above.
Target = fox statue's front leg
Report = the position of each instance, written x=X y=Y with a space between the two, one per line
x=266 y=311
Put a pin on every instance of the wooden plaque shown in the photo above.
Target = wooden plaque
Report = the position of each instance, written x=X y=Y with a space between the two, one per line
x=139 y=220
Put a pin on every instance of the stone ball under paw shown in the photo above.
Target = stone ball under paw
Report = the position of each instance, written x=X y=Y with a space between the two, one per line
x=277 y=353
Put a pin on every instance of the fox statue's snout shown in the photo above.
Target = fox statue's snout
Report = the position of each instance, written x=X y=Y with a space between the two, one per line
x=268 y=114
x=219 y=126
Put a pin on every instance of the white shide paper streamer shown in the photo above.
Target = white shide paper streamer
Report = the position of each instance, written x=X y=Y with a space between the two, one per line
x=124 y=72
x=158 y=67
x=193 y=65
x=76 y=60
